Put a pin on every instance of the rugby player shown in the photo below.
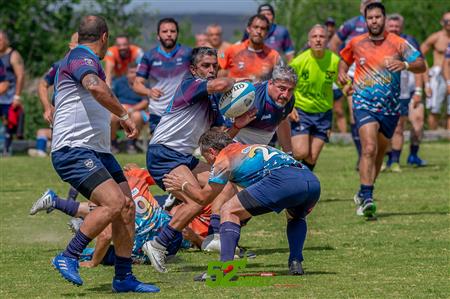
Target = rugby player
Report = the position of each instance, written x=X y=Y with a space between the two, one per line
x=411 y=90
x=268 y=180
x=3 y=82
x=376 y=94
x=81 y=155
x=250 y=59
x=277 y=37
x=214 y=33
x=192 y=111
x=437 y=41
x=165 y=66
x=317 y=70
x=119 y=56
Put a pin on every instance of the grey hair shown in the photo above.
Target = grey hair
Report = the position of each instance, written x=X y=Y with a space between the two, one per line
x=321 y=26
x=395 y=17
x=215 y=139
x=198 y=53
x=284 y=73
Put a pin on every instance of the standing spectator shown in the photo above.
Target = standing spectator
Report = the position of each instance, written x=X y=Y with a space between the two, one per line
x=277 y=37
x=201 y=40
x=214 y=33
x=251 y=59
x=437 y=41
x=135 y=104
x=165 y=67
x=10 y=101
x=119 y=57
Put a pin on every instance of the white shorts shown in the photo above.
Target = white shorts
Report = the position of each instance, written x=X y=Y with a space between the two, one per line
x=439 y=90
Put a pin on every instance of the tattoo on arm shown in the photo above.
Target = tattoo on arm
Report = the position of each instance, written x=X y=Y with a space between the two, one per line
x=90 y=80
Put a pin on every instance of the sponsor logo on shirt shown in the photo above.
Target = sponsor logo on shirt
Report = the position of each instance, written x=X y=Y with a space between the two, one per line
x=241 y=65
x=88 y=61
x=267 y=116
x=157 y=63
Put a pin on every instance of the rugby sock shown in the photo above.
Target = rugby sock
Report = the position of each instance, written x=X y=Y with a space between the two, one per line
x=389 y=158
x=355 y=137
x=175 y=244
x=310 y=166
x=229 y=237
x=73 y=193
x=214 y=224
x=8 y=141
x=414 y=149
x=76 y=246
x=167 y=235
x=41 y=143
x=122 y=267
x=395 y=156
x=296 y=234
x=366 y=191
x=67 y=206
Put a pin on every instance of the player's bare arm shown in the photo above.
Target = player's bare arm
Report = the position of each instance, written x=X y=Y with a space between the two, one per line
x=103 y=94
x=19 y=71
x=335 y=43
x=284 y=135
x=43 y=98
x=417 y=66
x=220 y=85
x=140 y=89
x=3 y=87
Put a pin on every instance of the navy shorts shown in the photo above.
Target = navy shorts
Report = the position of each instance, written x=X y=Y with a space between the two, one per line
x=4 y=110
x=337 y=94
x=387 y=122
x=161 y=160
x=404 y=107
x=314 y=124
x=291 y=188
x=153 y=122
x=85 y=169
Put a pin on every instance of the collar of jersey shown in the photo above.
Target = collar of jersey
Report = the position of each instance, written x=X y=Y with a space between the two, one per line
x=170 y=54
x=87 y=49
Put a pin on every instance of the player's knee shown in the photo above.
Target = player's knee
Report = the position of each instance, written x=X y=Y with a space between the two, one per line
x=117 y=204
x=369 y=149
x=300 y=153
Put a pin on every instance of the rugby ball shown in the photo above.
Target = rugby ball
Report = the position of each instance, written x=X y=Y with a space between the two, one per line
x=238 y=100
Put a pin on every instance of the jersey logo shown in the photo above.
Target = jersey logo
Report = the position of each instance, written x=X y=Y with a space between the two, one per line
x=241 y=65
x=329 y=75
x=267 y=116
x=305 y=75
x=89 y=163
x=265 y=152
x=88 y=61
x=157 y=63
x=362 y=61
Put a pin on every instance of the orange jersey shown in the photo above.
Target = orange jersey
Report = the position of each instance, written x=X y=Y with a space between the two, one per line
x=121 y=65
x=139 y=181
x=243 y=62
x=200 y=223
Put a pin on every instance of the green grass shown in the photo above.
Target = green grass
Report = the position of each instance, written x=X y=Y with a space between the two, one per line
x=405 y=254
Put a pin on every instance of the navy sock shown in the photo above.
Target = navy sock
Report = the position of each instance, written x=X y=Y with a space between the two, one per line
x=175 y=244
x=214 y=224
x=67 y=206
x=309 y=165
x=76 y=246
x=41 y=143
x=167 y=235
x=414 y=149
x=355 y=137
x=395 y=156
x=73 y=193
x=366 y=191
x=229 y=237
x=389 y=158
x=122 y=267
x=296 y=234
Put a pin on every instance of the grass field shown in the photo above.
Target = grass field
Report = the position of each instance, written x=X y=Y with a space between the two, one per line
x=405 y=254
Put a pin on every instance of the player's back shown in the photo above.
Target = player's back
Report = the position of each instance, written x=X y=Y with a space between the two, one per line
x=79 y=119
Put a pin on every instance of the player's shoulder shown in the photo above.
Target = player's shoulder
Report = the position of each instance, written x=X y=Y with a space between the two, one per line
x=360 y=38
x=271 y=52
x=280 y=29
x=82 y=53
x=351 y=22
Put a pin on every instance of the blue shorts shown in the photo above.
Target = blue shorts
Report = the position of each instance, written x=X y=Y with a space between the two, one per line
x=4 y=110
x=85 y=169
x=161 y=160
x=388 y=123
x=404 y=107
x=291 y=188
x=153 y=122
x=337 y=94
x=314 y=124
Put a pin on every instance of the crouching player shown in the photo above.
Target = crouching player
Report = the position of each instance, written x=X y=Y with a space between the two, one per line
x=269 y=180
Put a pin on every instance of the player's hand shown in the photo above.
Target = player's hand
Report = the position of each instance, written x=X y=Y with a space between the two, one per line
x=246 y=118
x=130 y=166
x=87 y=264
x=16 y=103
x=173 y=182
x=416 y=100
x=154 y=93
x=347 y=90
x=293 y=116
x=48 y=115
x=130 y=128
x=343 y=79
x=243 y=80
x=395 y=65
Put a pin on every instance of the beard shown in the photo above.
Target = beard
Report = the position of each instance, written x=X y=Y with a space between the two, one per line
x=376 y=31
x=168 y=43
x=124 y=54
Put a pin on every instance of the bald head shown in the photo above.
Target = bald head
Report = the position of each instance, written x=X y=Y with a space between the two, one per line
x=91 y=29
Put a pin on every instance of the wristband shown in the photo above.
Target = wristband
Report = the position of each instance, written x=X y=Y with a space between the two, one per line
x=16 y=97
x=184 y=184
x=448 y=82
x=124 y=117
x=418 y=93
x=236 y=127
x=406 y=65
x=427 y=85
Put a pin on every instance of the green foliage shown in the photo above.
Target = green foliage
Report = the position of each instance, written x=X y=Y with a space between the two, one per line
x=33 y=116
x=421 y=17
x=185 y=37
